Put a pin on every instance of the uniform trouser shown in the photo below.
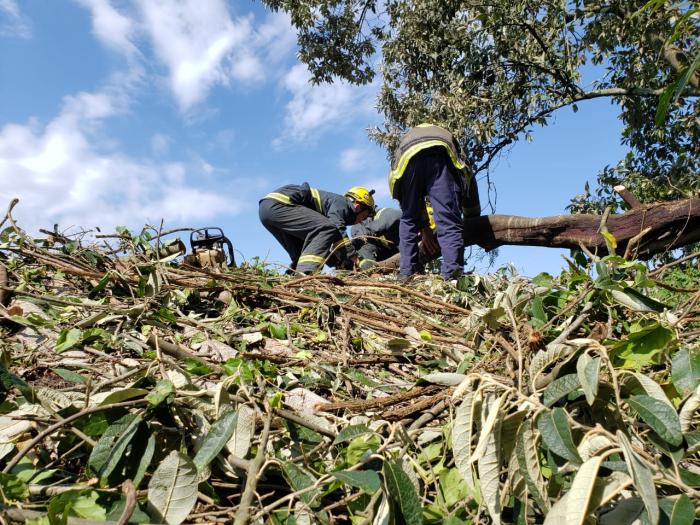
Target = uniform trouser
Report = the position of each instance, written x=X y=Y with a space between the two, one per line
x=430 y=173
x=305 y=234
x=370 y=253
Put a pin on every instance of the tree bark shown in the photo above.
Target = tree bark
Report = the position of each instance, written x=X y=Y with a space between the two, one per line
x=664 y=226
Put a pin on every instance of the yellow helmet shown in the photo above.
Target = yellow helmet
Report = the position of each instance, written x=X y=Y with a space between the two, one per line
x=362 y=195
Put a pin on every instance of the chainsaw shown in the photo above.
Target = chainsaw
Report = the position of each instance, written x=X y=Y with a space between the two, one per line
x=210 y=249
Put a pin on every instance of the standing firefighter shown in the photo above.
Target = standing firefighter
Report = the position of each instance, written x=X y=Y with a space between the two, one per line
x=309 y=223
x=428 y=163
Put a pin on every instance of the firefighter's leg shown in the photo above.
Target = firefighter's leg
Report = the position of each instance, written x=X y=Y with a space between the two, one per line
x=412 y=201
x=318 y=244
x=445 y=193
x=275 y=216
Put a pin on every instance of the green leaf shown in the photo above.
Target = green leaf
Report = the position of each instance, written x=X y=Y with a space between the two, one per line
x=195 y=366
x=13 y=488
x=277 y=331
x=216 y=439
x=462 y=433
x=659 y=416
x=111 y=446
x=454 y=488
x=172 y=491
x=69 y=375
x=67 y=339
x=144 y=460
x=637 y=301
x=685 y=370
x=555 y=432
x=579 y=495
x=526 y=453
x=488 y=463
x=402 y=491
x=367 y=480
x=123 y=395
x=559 y=388
x=641 y=476
x=643 y=345
x=680 y=510
x=299 y=479
x=350 y=432
x=587 y=369
x=161 y=392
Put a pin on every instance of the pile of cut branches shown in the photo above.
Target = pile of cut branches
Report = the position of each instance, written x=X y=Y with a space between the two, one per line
x=138 y=389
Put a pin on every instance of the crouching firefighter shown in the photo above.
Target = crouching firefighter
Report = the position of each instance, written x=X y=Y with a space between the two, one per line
x=310 y=223
x=377 y=238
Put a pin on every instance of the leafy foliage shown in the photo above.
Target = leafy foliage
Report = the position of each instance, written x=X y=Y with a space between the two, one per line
x=496 y=400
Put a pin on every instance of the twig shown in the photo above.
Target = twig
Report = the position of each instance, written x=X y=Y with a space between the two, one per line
x=634 y=242
x=628 y=196
x=361 y=406
x=243 y=513
x=129 y=492
x=51 y=429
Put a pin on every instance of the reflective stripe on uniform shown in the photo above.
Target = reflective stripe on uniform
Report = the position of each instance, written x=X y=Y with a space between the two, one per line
x=367 y=263
x=341 y=243
x=396 y=174
x=317 y=200
x=376 y=215
x=280 y=197
x=317 y=259
x=431 y=216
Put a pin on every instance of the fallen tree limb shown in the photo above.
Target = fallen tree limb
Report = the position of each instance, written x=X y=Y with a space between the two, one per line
x=657 y=228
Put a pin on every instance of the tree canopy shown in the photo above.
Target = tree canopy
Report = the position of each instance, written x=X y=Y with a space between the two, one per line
x=492 y=71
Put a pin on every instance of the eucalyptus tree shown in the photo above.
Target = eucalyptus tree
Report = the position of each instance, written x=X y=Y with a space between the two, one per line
x=492 y=70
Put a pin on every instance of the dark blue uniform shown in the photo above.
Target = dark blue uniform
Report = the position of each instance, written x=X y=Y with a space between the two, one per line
x=428 y=163
x=378 y=238
x=308 y=222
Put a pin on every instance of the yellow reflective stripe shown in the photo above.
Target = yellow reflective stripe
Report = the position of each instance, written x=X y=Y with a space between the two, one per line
x=312 y=258
x=396 y=174
x=431 y=217
x=341 y=243
x=281 y=197
x=367 y=263
x=317 y=200
x=386 y=242
x=376 y=215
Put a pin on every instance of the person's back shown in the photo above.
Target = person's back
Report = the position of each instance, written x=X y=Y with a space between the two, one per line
x=309 y=222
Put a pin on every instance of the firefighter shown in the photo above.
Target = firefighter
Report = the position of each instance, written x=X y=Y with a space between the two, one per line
x=377 y=238
x=428 y=163
x=309 y=223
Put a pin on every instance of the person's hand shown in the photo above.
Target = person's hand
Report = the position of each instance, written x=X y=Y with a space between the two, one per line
x=429 y=243
x=355 y=261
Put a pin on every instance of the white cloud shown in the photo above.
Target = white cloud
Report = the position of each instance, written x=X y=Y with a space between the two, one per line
x=12 y=23
x=61 y=176
x=315 y=109
x=353 y=159
x=113 y=28
x=160 y=143
x=195 y=40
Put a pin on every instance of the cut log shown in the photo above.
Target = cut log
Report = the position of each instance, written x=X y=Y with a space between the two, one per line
x=668 y=225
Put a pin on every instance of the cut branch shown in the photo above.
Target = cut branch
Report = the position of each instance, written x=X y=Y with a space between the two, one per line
x=672 y=225
x=657 y=228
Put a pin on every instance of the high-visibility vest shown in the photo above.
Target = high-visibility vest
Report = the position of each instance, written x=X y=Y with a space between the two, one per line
x=420 y=138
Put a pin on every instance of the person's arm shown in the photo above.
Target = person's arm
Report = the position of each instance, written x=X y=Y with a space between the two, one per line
x=341 y=216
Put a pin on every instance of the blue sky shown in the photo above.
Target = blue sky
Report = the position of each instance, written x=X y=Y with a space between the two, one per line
x=126 y=112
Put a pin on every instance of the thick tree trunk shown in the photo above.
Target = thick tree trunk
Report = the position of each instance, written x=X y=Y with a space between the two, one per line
x=642 y=232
